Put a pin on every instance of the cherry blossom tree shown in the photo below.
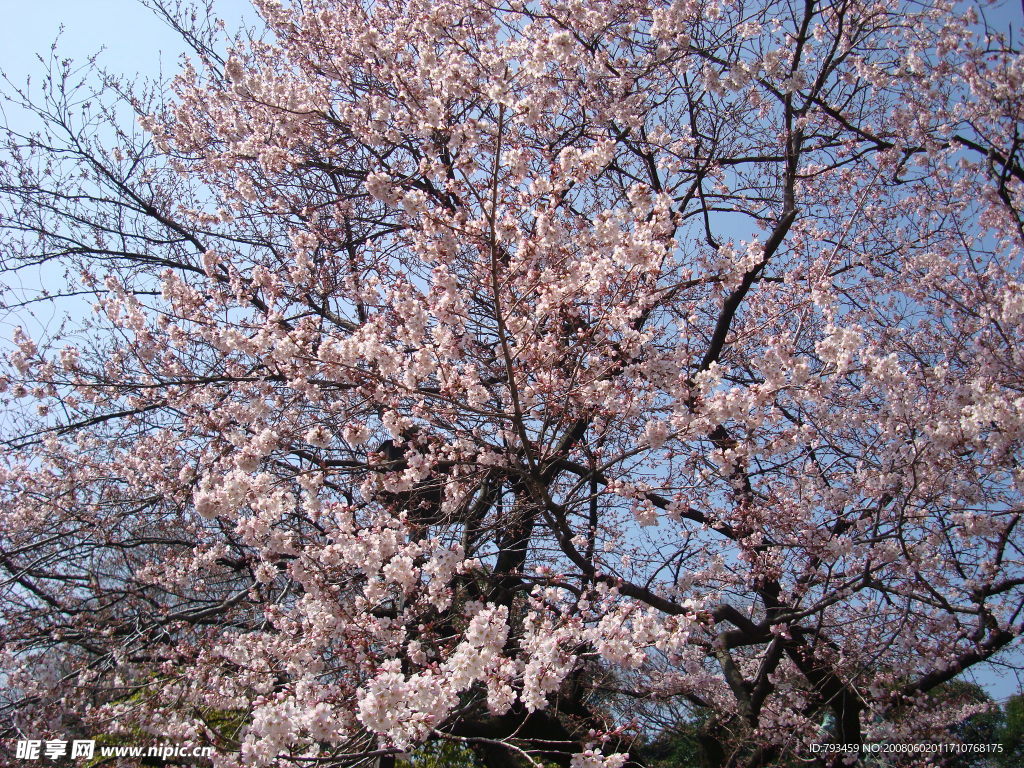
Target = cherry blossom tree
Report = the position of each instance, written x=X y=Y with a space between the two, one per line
x=520 y=375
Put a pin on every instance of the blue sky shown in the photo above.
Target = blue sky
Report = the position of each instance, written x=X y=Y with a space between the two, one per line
x=134 y=38
x=130 y=40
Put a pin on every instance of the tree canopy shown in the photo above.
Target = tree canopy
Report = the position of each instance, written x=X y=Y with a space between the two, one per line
x=519 y=378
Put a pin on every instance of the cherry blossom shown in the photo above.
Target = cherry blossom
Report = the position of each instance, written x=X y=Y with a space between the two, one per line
x=519 y=374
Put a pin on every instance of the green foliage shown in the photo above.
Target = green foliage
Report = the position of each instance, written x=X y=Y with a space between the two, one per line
x=701 y=741
x=1011 y=733
x=441 y=754
x=679 y=747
